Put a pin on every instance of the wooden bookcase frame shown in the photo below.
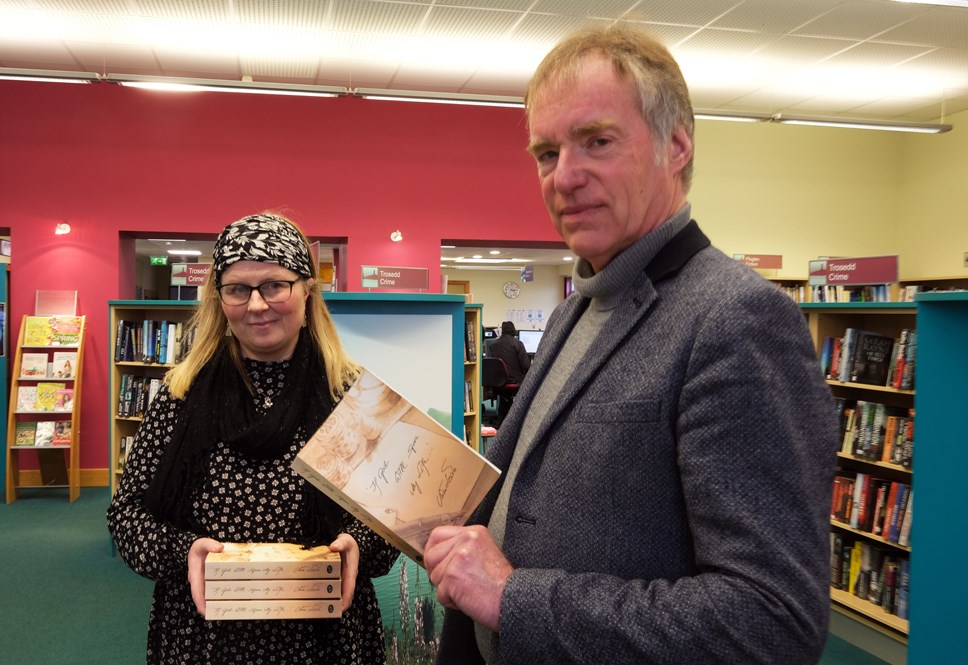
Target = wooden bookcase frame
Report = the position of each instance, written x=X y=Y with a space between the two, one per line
x=58 y=466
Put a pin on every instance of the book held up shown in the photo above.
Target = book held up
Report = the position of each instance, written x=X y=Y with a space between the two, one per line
x=394 y=467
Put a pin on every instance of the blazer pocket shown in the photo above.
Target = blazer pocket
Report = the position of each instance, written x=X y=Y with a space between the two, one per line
x=636 y=411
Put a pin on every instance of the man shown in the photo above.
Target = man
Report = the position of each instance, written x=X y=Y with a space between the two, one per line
x=669 y=458
x=511 y=350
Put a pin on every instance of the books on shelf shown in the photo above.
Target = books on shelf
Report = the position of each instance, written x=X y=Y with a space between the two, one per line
x=248 y=581
x=52 y=330
x=25 y=433
x=861 y=356
x=135 y=394
x=26 y=398
x=393 y=466
x=870 y=572
x=62 y=433
x=152 y=341
x=64 y=365
x=47 y=396
x=33 y=365
x=45 y=433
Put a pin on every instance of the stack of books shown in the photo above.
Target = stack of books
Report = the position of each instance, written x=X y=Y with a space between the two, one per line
x=259 y=581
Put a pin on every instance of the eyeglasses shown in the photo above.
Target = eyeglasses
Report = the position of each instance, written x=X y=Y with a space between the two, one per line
x=277 y=290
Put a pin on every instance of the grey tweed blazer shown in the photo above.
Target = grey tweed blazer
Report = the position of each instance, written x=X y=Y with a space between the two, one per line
x=675 y=506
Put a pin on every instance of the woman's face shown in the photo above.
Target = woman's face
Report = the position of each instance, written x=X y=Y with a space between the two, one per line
x=266 y=331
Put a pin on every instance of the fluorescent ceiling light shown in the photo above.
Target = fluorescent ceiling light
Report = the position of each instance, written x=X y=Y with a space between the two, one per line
x=438 y=97
x=463 y=259
x=171 y=84
x=943 y=3
x=849 y=123
x=730 y=116
x=46 y=75
x=185 y=252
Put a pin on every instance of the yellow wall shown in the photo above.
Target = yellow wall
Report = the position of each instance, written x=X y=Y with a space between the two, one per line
x=805 y=192
x=932 y=235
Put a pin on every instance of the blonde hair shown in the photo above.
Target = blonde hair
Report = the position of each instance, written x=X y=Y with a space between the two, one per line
x=209 y=323
x=638 y=57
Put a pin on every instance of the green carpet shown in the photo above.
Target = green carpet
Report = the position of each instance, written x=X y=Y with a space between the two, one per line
x=66 y=599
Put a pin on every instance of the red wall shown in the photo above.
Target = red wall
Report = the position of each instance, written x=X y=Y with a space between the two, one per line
x=108 y=159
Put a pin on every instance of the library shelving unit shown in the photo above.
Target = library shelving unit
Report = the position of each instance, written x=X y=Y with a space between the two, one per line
x=129 y=376
x=43 y=416
x=795 y=287
x=472 y=375
x=884 y=318
x=938 y=533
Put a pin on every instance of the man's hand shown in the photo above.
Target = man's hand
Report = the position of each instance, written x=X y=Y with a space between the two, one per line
x=469 y=571
x=196 y=569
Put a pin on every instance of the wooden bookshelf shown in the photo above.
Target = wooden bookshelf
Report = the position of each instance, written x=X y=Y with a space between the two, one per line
x=58 y=464
x=831 y=320
x=472 y=375
x=123 y=427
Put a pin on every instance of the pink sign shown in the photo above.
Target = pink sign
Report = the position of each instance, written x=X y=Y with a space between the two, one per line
x=761 y=261
x=189 y=274
x=854 y=271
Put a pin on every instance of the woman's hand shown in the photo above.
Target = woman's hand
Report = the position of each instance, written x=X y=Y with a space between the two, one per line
x=196 y=569
x=349 y=552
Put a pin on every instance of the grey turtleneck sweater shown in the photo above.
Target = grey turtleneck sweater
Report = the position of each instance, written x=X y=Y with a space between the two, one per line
x=606 y=290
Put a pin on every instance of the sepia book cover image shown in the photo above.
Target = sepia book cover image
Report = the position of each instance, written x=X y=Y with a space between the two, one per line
x=394 y=467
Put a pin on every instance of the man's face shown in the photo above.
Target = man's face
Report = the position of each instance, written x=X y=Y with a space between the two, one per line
x=597 y=163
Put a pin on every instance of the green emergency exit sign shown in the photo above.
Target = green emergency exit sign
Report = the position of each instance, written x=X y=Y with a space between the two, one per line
x=159 y=260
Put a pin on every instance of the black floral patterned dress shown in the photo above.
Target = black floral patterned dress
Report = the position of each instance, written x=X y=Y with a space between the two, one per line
x=242 y=500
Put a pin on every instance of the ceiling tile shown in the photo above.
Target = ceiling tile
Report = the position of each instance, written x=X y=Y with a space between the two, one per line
x=860 y=19
x=677 y=12
x=937 y=26
x=384 y=18
x=313 y=14
x=478 y=24
x=773 y=16
x=610 y=9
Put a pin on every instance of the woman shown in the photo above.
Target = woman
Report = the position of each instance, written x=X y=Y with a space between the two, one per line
x=211 y=461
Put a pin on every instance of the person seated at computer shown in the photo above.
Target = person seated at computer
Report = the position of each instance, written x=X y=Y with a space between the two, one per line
x=511 y=350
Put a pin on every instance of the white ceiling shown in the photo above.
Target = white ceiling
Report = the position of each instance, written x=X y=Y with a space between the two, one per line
x=871 y=59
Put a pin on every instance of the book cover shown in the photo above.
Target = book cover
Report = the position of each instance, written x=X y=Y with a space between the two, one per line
x=871 y=359
x=65 y=330
x=26 y=398
x=47 y=395
x=271 y=561
x=45 y=433
x=63 y=399
x=37 y=331
x=393 y=466
x=65 y=365
x=33 y=365
x=62 y=433
x=25 y=433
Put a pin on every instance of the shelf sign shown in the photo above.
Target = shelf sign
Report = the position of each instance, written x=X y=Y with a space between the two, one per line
x=854 y=271
x=761 y=261
x=189 y=274
x=158 y=260
x=389 y=277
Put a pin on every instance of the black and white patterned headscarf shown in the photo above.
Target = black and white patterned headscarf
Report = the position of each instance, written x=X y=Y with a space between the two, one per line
x=266 y=238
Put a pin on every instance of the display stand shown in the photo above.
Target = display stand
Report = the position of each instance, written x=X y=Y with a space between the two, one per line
x=43 y=418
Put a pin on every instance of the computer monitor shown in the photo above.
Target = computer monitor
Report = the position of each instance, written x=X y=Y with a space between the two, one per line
x=530 y=339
